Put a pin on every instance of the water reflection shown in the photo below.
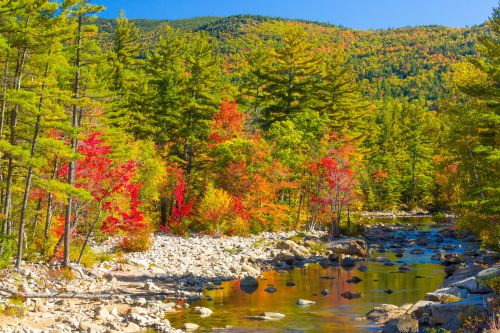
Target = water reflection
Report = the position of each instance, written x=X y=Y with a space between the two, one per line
x=331 y=313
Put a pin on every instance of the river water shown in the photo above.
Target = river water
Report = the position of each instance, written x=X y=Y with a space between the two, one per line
x=331 y=313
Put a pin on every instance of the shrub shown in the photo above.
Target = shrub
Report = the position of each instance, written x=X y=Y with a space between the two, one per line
x=473 y=323
x=318 y=247
x=491 y=281
x=450 y=299
x=14 y=307
x=215 y=210
x=139 y=242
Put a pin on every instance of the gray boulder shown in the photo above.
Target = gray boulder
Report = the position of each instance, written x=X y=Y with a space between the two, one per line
x=249 y=281
x=441 y=313
x=471 y=285
x=286 y=245
x=349 y=246
x=403 y=324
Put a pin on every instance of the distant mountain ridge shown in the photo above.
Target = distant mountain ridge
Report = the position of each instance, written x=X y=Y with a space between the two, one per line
x=409 y=62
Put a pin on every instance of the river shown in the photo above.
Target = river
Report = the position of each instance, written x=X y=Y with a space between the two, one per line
x=332 y=312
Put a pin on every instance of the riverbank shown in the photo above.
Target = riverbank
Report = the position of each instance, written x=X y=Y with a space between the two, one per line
x=135 y=291
x=468 y=297
x=139 y=290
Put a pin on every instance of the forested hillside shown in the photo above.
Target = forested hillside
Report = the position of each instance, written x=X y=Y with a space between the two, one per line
x=404 y=62
x=234 y=126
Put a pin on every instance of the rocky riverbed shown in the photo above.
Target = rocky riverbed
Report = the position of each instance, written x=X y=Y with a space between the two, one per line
x=464 y=300
x=139 y=290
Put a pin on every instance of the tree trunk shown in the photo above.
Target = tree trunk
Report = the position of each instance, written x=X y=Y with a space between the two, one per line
x=163 y=211
x=48 y=216
x=89 y=234
x=349 y=220
x=7 y=224
x=29 y=176
x=37 y=215
x=74 y=143
x=301 y=203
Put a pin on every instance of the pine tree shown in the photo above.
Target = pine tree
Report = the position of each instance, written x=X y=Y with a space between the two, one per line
x=292 y=77
x=474 y=135
x=81 y=10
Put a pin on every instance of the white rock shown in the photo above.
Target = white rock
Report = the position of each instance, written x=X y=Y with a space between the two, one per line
x=190 y=326
x=304 y=302
x=204 y=312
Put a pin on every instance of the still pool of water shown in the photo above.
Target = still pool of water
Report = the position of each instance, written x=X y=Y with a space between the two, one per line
x=331 y=313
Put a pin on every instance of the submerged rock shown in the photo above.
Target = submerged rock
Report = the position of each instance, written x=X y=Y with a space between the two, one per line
x=354 y=280
x=351 y=294
x=270 y=290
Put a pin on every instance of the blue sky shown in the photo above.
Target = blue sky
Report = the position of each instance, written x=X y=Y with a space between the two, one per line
x=358 y=14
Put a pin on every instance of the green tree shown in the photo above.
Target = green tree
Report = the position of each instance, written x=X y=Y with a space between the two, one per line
x=474 y=135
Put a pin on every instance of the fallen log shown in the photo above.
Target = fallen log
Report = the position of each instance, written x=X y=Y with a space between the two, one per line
x=90 y=295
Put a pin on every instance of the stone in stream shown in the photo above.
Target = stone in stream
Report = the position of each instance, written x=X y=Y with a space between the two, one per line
x=439 y=255
x=362 y=268
x=403 y=324
x=273 y=315
x=285 y=257
x=304 y=302
x=422 y=241
x=258 y=318
x=325 y=263
x=327 y=277
x=349 y=246
x=388 y=291
x=399 y=253
x=383 y=313
x=249 y=284
x=351 y=294
x=190 y=327
x=324 y=292
x=249 y=281
x=417 y=251
x=404 y=268
x=354 y=280
x=204 y=312
x=290 y=284
x=348 y=262
x=271 y=290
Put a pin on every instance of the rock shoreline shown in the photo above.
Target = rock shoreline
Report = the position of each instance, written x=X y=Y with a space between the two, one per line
x=137 y=291
x=462 y=297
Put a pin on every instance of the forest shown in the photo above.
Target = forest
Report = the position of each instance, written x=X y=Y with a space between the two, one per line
x=236 y=125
